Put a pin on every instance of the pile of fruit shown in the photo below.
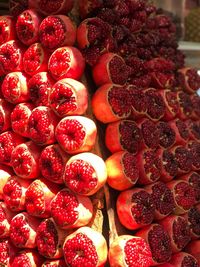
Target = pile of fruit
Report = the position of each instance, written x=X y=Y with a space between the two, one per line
x=95 y=97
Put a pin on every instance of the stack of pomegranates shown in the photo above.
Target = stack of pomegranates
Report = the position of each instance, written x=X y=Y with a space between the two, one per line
x=145 y=102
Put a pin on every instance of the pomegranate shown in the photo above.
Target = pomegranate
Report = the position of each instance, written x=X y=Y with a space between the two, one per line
x=25 y=160
x=85 y=173
x=54 y=263
x=52 y=160
x=193 y=249
x=150 y=133
x=66 y=62
x=62 y=32
x=35 y=59
x=159 y=241
x=5 y=115
x=49 y=239
x=76 y=134
x=114 y=100
x=7 y=29
x=85 y=246
x=193 y=219
x=5 y=218
x=188 y=79
x=14 y=87
x=7 y=252
x=122 y=170
x=38 y=197
x=68 y=97
x=127 y=250
x=14 y=193
x=39 y=88
x=181 y=259
x=135 y=208
x=27 y=257
x=194 y=180
x=23 y=228
x=77 y=214
x=27 y=26
x=5 y=173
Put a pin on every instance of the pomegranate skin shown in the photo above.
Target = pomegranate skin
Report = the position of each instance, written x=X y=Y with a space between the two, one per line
x=127 y=249
x=193 y=248
x=85 y=238
x=181 y=259
x=66 y=62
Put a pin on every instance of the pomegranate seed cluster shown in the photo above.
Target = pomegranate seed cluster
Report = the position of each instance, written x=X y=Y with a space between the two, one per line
x=144 y=100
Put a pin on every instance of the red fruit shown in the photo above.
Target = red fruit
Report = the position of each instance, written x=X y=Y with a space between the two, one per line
x=194 y=249
x=178 y=230
x=28 y=258
x=171 y=104
x=66 y=62
x=135 y=208
x=149 y=165
x=114 y=100
x=5 y=112
x=87 y=6
x=8 y=141
x=7 y=252
x=138 y=102
x=162 y=198
x=14 y=87
x=85 y=173
x=183 y=157
x=39 y=196
x=23 y=228
x=110 y=68
x=122 y=170
x=193 y=220
x=194 y=150
x=76 y=214
x=5 y=218
x=7 y=29
x=19 y=118
x=155 y=104
x=159 y=241
x=92 y=31
x=181 y=259
x=184 y=195
x=195 y=98
x=11 y=54
x=27 y=26
x=25 y=160
x=181 y=130
x=14 y=193
x=62 y=32
x=185 y=105
x=167 y=135
x=68 y=97
x=5 y=173
x=52 y=7
x=54 y=263
x=51 y=163
x=50 y=239
x=188 y=79
x=85 y=247
x=76 y=134
x=123 y=135
x=169 y=165
x=150 y=133
x=16 y=7
x=35 y=59
x=193 y=178
x=41 y=125
x=127 y=250
x=194 y=129
x=39 y=88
